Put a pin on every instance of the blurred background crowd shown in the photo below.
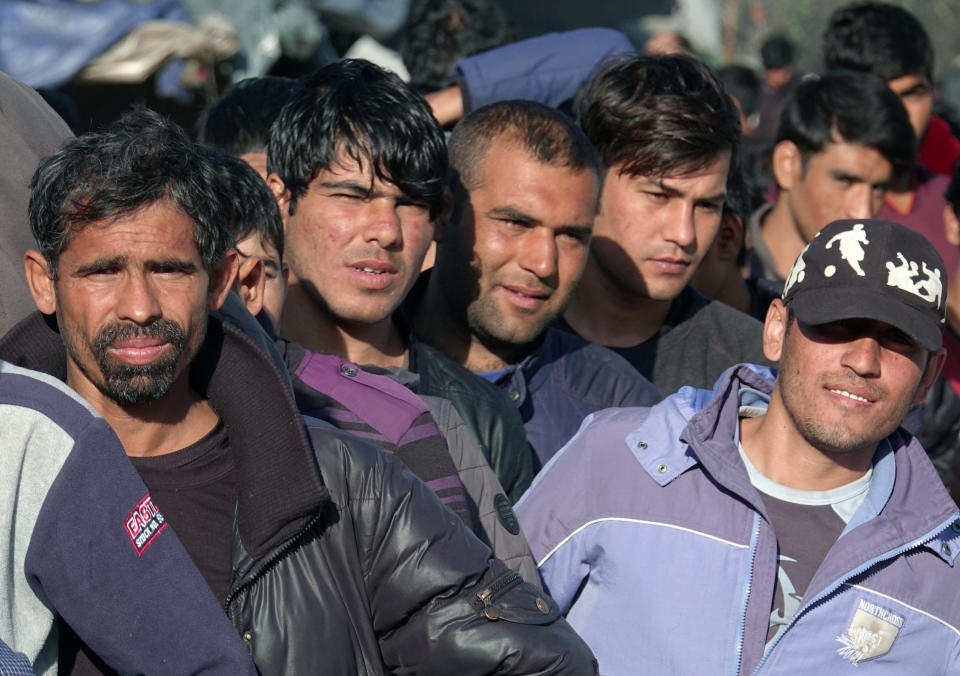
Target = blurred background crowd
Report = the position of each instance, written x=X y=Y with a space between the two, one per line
x=92 y=58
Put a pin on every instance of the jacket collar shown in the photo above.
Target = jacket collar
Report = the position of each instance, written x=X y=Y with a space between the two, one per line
x=906 y=499
x=280 y=484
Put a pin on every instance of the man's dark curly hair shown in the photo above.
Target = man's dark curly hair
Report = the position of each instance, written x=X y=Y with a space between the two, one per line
x=138 y=160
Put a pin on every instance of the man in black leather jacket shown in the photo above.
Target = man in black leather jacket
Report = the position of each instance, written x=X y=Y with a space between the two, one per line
x=328 y=555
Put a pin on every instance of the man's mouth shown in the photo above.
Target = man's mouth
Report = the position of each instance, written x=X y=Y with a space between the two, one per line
x=671 y=265
x=525 y=297
x=851 y=395
x=138 y=350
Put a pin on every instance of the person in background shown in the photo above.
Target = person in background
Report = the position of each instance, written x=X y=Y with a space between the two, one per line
x=667 y=136
x=843 y=137
x=777 y=55
x=888 y=41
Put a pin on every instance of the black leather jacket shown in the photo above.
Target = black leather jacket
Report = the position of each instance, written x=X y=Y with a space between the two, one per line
x=343 y=561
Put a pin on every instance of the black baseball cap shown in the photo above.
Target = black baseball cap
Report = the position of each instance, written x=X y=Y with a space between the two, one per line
x=871 y=269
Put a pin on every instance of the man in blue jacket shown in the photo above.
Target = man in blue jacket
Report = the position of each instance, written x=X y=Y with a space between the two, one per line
x=773 y=526
x=81 y=540
x=526 y=183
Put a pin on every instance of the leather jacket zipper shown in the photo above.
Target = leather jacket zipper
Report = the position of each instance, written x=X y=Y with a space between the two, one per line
x=284 y=551
x=488 y=596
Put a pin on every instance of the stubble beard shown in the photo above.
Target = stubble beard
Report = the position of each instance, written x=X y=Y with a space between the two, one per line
x=833 y=439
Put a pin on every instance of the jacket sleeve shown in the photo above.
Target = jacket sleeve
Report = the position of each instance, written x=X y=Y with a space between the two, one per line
x=440 y=604
x=104 y=559
x=549 y=68
x=552 y=516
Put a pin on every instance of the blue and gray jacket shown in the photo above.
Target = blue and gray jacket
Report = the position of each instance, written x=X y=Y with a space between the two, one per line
x=648 y=532
x=81 y=539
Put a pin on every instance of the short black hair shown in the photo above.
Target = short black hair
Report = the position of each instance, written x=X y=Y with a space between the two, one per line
x=440 y=32
x=138 y=160
x=368 y=113
x=546 y=133
x=658 y=115
x=742 y=84
x=777 y=51
x=238 y=122
x=878 y=38
x=856 y=107
x=250 y=207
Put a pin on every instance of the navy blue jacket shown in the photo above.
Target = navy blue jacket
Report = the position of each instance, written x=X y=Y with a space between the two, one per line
x=565 y=379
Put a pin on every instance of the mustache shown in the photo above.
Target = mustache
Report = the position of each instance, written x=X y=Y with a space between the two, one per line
x=162 y=329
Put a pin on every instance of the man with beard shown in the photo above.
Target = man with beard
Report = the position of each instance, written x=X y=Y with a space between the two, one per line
x=326 y=553
x=774 y=525
x=526 y=182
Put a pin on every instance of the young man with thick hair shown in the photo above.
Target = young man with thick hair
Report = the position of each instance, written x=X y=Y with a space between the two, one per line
x=667 y=135
x=358 y=165
x=526 y=183
x=779 y=525
x=843 y=136
x=326 y=553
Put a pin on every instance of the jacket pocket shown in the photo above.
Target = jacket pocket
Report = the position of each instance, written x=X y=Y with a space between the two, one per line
x=510 y=599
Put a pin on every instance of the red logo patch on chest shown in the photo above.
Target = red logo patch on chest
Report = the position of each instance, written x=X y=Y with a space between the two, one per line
x=144 y=524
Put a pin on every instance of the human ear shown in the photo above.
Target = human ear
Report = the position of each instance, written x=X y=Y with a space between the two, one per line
x=787 y=164
x=775 y=329
x=40 y=281
x=252 y=281
x=221 y=280
x=729 y=237
x=281 y=194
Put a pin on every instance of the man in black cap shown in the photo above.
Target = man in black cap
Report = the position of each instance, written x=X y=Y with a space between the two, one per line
x=825 y=526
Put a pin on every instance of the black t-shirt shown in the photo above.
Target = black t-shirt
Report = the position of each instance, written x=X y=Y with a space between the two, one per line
x=195 y=489
x=698 y=341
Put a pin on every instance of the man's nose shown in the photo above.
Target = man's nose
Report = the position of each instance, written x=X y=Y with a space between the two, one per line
x=138 y=301
x=383 y=226
x=538 y=252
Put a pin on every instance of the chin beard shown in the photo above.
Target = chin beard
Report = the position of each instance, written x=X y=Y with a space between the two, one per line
x=130 y=384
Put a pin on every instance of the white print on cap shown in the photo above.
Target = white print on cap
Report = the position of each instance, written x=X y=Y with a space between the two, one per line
x=851 y=249
x=796 y=272
x=901 y=277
